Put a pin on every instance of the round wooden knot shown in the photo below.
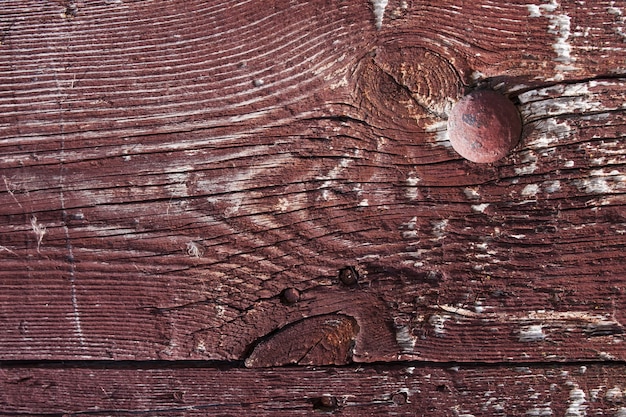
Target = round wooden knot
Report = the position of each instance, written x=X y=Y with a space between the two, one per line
x=484 y=126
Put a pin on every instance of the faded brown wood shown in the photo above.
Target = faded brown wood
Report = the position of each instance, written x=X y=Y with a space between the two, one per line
x=168 y=169
x=376 y=390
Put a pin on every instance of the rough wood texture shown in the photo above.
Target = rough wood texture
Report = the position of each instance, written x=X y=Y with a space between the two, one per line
x=389 y=390
x=168 y=169
x=174 y=168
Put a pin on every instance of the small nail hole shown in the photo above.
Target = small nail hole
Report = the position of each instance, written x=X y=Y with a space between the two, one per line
x=349 y=276
x=325 y=403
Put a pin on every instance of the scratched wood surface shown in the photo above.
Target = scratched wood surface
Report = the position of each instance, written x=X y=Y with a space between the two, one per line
x=385 y=390
x=170 y=169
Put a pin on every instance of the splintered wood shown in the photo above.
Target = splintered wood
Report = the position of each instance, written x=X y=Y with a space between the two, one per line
x=168 y=170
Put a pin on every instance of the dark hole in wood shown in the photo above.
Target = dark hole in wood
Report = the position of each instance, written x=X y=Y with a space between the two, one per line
x=442 y=388
x=325 y=403
x=349 y=276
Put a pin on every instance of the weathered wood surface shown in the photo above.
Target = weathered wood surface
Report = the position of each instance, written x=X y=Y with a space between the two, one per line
x=390 y=390
x=168 y=169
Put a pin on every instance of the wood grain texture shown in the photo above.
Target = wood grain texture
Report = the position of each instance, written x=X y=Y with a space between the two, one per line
x=296 y=391
x=169 y=168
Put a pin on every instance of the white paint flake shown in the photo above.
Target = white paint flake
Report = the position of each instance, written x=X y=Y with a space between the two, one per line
x=552 y=186
x=480 y=208
x=39 y=230
x=602 y=182
x=282 y=205
x=557 y=101
x=440 y=129
x=410 y=226
x=576 y=403
x=605 y=356
x=439 y=228
x=528 y=163
x=477 y=75
x=620 y=19
x=540 y=411
x=479 y=307
x=438 y=323
x=614 y=394
x=533 y=10
x=412 y=181
x=194 y=250
x=533 y=333
x=560 y=26
x=405 y=339
x=530 y=190
x=379 y=11
x=412 y=192
x=471 y=193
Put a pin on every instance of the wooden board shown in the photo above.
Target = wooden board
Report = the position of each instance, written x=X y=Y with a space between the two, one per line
x=387 y=390
x=169 y=169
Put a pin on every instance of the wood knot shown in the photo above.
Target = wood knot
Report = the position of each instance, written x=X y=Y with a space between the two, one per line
x=321 y=340
x=405 y=85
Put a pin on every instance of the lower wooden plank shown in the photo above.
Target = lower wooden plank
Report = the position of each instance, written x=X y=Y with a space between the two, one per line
x=399 y=389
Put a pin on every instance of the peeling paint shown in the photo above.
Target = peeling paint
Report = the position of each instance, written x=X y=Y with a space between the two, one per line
x=543 y=411
x=438 y=322
x=552 y=186
x=620 y=20
x=405 y=339
x=480 y=208
x=601 y=182
x=471 y=193
x=379 y=11
x=410 y=226
x=560 y=26
x=614 y=394
x=528 y=163
x=439 y=228
x=533 y=333
x=530 y=190
x=577 y=400
x=412 y=192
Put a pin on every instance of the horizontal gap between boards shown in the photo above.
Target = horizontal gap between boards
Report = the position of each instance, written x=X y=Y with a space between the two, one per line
x=231 y=365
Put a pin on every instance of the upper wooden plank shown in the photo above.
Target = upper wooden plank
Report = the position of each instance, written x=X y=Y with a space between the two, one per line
x=169 y=168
